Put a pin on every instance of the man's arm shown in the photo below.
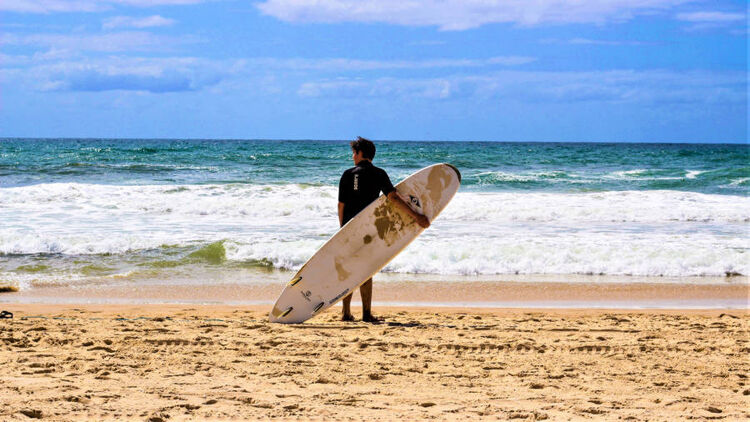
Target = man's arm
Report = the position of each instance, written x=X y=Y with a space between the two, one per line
x=423 y=221
x=344 y=192
x=341 y=214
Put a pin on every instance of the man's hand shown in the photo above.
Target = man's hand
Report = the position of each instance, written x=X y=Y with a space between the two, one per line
x=423 y=221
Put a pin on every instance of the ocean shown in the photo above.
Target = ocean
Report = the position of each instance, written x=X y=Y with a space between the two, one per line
x=81 y=212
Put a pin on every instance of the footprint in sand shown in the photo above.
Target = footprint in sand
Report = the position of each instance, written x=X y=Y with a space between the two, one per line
x=32 y=413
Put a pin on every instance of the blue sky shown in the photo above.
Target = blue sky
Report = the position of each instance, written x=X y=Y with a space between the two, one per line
x=513 y=70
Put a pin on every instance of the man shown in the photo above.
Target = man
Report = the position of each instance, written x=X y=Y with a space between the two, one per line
x=359 y=186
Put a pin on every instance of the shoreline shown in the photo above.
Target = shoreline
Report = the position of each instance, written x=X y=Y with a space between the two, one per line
x=442 y=294
x=194 y=310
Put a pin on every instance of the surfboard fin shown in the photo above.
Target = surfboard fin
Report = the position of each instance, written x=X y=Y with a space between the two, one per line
x=295 y=280
x=286 y=312
x=318 y=306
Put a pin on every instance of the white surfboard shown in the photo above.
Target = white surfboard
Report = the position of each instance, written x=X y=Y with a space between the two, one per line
x=365 y=245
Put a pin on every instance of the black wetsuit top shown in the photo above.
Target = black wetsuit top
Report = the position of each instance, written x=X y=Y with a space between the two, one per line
x=360 y=185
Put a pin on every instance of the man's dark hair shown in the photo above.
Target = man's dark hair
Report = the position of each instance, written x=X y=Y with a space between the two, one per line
x=365 y=145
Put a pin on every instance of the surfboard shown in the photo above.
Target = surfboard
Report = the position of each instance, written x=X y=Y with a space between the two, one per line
x=364 y=245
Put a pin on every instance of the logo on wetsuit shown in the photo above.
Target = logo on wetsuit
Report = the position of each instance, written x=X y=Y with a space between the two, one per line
x=356 y=182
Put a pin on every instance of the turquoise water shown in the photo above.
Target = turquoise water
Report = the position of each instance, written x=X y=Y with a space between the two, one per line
x=486 y=166
x=81 y=211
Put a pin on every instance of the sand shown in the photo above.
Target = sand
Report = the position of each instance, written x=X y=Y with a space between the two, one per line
x=181 y=362
x=579 y=292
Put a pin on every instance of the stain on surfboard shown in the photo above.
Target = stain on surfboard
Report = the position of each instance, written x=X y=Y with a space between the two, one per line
x=437 y=180
x=389 y=223
x=342 y=272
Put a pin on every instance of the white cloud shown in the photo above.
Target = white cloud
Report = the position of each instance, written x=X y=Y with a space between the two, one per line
x=587 y=41
x=382 y=88
x=426 y=43
x=52 y=6
x=343 y=64
x=152 y=3
x=48 y=6
x=711 y=17
x=52 y=54
x=341 y=78
x=133 y=22
x=708 y=20
x=14 y=60
x=650 y=87
x=463 y=14
x=60 y=69
x=110 y=42
x=61 y=48
x=126 y=74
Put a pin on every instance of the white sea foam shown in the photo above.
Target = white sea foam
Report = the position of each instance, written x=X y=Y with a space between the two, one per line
x=626 y=174
x=651 y=207
x=500 y=176
x=692 y=174
x=638 y=174
x=649 y=233
x=738 y=182
x=571 y=253
x=545 y=177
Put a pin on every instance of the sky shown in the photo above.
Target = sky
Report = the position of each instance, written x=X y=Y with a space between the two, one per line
x=483 y=70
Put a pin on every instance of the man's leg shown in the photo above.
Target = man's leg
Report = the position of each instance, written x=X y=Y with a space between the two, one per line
x=346 y=314
x=366 y=291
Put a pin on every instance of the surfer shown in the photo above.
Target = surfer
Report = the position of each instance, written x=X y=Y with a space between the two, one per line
x=359 y=186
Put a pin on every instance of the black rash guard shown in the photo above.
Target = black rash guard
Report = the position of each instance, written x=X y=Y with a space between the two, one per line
x=360 y=185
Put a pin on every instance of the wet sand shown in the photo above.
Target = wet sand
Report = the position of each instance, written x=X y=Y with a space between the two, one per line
x=190 y=362
x=590 y=292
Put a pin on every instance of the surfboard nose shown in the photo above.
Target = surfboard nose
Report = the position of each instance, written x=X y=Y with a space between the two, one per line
x=458 y=173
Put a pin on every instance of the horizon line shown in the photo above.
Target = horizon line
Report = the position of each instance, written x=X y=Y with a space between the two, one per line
x=21 y=138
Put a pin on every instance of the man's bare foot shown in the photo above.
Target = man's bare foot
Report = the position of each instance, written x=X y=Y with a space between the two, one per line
x=371 y=318
x=347 y=317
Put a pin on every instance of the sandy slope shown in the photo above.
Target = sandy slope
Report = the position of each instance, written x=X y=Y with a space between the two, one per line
x=218 y=362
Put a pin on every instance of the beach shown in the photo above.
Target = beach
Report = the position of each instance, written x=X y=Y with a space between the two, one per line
x=217 y=362
x=562 y=282
x=537 y=210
